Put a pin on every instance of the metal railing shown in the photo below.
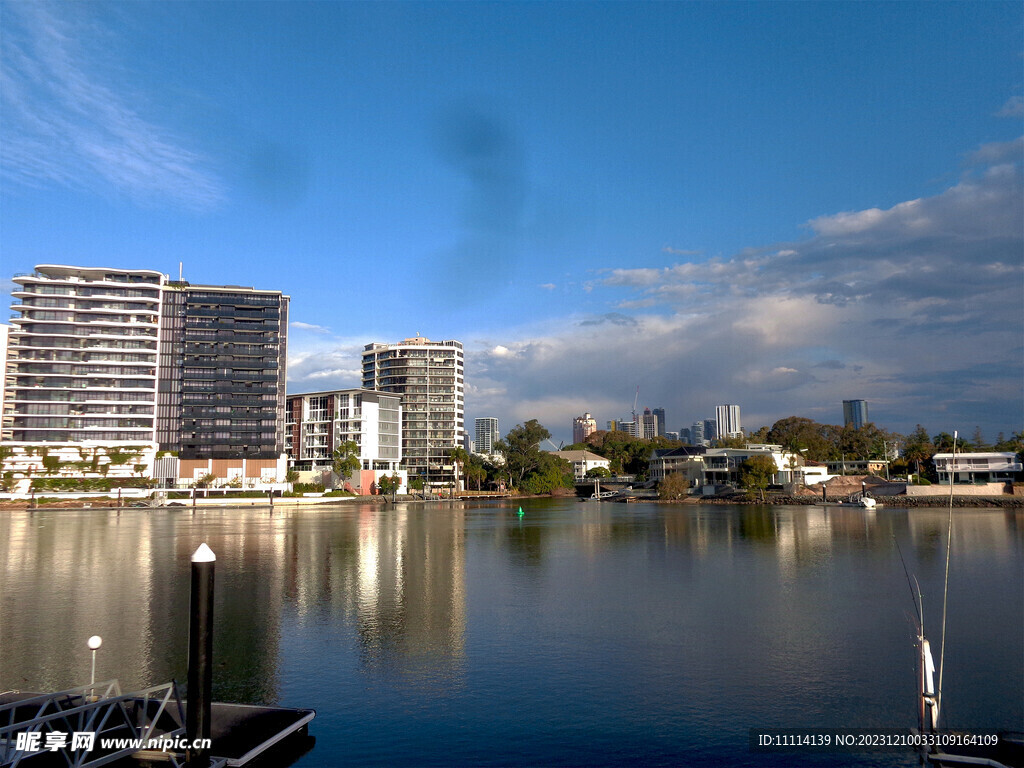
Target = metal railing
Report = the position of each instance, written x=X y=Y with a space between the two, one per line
x=99 y=709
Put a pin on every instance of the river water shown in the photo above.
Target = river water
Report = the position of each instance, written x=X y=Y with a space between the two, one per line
x=575 y=634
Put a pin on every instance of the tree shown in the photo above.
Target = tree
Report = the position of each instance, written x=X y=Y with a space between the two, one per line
x=918 y=448
x=943 y=442
x=345 y=459
x=291 y=476
x=674 y=487
x=796 y=432
x=521 y=449
x=475 y=471
x=51 y=464
x=598 y=472
x=389 y=484
x=756 y=473
x=458 y=457
x=760 y=436
x=867 y=442
x=552 y=472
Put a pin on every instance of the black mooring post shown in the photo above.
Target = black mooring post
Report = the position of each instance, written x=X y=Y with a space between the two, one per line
x=200 y=655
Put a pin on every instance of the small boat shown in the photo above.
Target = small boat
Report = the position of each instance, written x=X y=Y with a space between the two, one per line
x=867 y=502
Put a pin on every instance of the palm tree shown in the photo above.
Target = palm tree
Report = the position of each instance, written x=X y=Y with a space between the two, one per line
x=458 y=457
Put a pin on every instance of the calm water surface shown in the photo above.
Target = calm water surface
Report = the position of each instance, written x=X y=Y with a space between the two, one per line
x=578 y=634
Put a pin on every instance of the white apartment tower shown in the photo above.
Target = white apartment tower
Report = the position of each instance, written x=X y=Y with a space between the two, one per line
x=728 y=420
x=81 y=373
x=429 y=377
x=486 y=433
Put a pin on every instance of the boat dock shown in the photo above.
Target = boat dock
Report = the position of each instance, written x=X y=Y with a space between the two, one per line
x=154 y=718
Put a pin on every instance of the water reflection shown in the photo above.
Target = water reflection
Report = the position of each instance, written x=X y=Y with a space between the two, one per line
x=650 y=617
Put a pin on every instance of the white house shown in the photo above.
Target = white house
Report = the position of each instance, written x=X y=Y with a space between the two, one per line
x=995 y=467
x=582 y=461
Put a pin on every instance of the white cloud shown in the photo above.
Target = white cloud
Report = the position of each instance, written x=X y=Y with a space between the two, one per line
x=915 y=308
x=309 y=327
x=70 y=120
x=1014 y=107
x=997 y=153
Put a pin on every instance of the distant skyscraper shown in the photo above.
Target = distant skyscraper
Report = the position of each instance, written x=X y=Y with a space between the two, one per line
x=855 y=412
x=660 y=413
x=486 y=431
x=710 y=430
x=686 y=436
x=697 y=436
x=582 y=426
x=728 y=419
x=648 y=425
x=623 y=425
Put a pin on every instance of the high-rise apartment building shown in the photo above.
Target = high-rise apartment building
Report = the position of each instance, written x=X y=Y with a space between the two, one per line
x=727 y=418
x=582 y=427
x=697 y=434
x=4 y=331
x=122 y=362
x=648 y=425
x=222 y=372
x=429 y=377
x=855 y=413
x=486 y=434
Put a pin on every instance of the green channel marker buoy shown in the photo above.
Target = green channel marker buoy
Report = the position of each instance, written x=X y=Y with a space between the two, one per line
x=520 y=511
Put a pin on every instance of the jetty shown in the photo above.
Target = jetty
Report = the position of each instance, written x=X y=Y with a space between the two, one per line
x=97 y=724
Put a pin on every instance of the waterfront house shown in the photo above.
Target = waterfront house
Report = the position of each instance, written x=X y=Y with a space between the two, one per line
x=973 y=468
x=582 y=461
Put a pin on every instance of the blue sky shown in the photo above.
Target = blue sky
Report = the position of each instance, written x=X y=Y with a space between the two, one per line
x=780 y=205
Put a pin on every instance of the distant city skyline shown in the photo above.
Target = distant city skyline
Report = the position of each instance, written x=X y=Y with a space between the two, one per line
x=772 y=204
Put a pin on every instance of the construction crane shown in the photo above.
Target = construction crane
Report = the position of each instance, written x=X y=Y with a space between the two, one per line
x=635 y=399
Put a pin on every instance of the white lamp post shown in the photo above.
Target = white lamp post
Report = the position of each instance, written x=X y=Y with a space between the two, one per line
x=94 y=643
